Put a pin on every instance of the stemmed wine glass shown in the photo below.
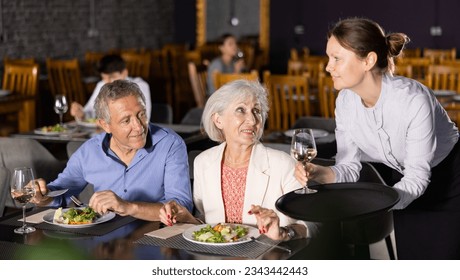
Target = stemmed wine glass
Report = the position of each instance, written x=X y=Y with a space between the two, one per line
x=303 y=149
x=60 y=106
x=23 y=190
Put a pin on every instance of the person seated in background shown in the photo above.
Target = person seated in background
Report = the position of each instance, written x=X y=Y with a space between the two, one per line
x=134 y=166
x=240 y=180
x=227 y=62
x=112 y=67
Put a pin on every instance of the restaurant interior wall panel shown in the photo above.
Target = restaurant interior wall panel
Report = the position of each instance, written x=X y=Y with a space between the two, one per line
x=60 y=28
x=413 y=17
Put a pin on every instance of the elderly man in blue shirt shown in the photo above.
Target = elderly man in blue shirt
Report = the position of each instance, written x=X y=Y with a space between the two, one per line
x=134 y=166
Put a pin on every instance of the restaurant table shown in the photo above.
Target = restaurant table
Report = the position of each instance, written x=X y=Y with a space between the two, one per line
x=56 y=142
x=124 y=238
x=281 y=140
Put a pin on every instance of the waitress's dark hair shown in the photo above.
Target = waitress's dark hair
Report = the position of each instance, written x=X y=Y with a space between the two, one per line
x=363 y=36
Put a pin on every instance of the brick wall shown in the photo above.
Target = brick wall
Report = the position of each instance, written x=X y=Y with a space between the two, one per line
x=60 y=28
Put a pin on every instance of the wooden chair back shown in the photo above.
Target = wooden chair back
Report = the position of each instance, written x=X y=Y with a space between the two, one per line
x=453 y=110
x=91 y=63
x=198 y=75
x=417 y=52
x=327 y=95
x=403 y=70
x=65 y=78
x=289 y=99
x=183 y=98
x=437 y=56
x=26 y=61
x=419 y=67
x=313 y=65
x=443 y=77
x=138 y=64
x=221 y=79
x=22 y=79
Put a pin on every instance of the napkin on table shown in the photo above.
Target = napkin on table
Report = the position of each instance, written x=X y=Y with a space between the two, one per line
x=167 y=232
x=37 y=218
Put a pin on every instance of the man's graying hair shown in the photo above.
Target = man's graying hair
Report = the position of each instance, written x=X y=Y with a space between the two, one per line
x=114 y=91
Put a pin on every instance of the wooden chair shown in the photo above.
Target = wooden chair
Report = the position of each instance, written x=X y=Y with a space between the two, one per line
x=182 y=97
x=138 y=64
x=443 y=77
x=91 y=63
x=289 y=99
x=437 y=56
x=403 y=70
x=26 y=61
x=22 y=80
x=65 y=78
x=453 y=110
x=295 y=55
x=327 y=95
x=198 y=75
x=419 y=67
x=417 y=52
x=222 y=78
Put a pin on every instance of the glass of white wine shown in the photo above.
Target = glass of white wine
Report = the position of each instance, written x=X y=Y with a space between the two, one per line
x=23 y=190
x=60 y=106
x=303 y=149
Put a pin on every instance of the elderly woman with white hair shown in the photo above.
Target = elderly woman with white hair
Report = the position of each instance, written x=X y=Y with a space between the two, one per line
x=240 y=180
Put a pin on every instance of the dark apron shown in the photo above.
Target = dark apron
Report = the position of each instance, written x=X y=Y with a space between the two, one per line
x=429 y=228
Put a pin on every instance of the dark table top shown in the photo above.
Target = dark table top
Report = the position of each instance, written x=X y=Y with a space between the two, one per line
x=123 y=239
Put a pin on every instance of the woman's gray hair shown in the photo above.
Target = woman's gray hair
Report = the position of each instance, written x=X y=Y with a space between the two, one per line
x=238 y=90
x=113 y=91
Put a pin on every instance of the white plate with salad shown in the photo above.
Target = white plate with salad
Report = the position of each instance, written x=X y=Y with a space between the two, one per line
x=91 y=123
x=222 y=234
x=57 y=218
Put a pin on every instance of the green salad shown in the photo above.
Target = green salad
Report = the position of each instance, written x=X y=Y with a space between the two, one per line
x=75 y=216
x=220 y=233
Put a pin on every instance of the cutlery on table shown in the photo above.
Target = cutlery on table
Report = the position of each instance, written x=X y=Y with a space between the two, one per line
x=56 y=193
x=77 y=201
x=81 y=204
x=268 y=244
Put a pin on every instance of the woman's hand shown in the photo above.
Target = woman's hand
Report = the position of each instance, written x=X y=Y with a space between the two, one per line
x=267 y=222
x=172 y=212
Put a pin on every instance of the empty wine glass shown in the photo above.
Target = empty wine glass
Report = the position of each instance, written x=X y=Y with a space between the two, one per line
x=303 y=149
x=23 y=190
x=60 y=106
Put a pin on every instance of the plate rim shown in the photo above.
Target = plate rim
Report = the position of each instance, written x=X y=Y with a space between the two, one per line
x=86 y=124
x=253 y=232
x=48 y=218
x=4 y=92
x=39 y=131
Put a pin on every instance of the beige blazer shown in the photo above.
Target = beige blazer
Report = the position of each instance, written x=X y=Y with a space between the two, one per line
x=270 y=175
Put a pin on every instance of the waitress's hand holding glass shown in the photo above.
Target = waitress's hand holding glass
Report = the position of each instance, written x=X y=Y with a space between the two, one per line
x=23 y=190
x=303 y=149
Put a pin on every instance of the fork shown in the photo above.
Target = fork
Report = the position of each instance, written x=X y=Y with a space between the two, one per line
x=271 y=245
x=77 y=201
